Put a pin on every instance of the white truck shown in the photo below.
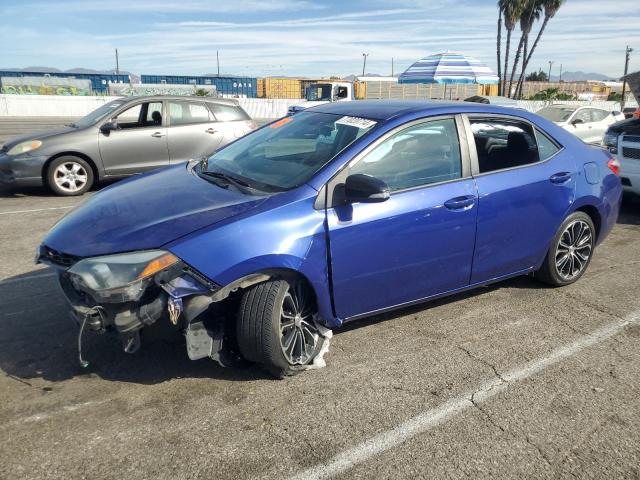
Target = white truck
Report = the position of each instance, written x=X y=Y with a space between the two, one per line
x=325 y=92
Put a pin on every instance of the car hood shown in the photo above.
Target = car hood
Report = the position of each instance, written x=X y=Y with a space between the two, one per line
x=145 y=212
x=37 y=136
x=631 y=126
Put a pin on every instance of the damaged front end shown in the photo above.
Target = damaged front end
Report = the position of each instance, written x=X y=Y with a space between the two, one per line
x=130 y=291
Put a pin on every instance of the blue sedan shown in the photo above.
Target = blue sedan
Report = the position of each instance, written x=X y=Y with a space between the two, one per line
x=339 y=212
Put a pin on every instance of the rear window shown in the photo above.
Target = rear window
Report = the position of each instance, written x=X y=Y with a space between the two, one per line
x=228 y=113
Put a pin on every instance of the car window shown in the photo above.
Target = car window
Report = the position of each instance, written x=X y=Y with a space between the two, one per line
x=186 y=113
x=503 y=143
x=557 y=114
x=227 y=113
x=598 y=115
x=154 y=114
x=419 y=155
x=130 y=118
x=546 y=147
x=584 y=115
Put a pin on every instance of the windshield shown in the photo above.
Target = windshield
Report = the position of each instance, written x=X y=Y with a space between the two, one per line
x=290 y=151
x=98 y=114
x=319 y=92
x=557 y=114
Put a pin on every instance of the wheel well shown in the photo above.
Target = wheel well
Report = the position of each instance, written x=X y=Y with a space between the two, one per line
x=87 y=159
x=594 y=215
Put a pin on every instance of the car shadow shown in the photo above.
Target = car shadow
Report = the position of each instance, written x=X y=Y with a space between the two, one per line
x=630 y=210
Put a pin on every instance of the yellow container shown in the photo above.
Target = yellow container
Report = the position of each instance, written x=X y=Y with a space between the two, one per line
x=282 y=87
x=360 y=90
x=260 y=88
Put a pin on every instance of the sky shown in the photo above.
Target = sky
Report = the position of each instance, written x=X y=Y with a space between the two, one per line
x=300 y=37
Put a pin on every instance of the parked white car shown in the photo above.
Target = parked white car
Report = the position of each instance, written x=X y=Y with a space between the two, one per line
x=586 y=123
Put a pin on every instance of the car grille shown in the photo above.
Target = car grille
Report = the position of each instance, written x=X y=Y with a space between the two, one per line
x=631 y=153
x=57 y=258
x=631 y=138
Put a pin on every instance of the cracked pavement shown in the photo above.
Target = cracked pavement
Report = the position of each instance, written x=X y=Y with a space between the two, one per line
x=158 y=415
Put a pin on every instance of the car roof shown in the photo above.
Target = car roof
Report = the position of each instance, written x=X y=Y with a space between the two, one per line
x=384 y=110
x=225 y=101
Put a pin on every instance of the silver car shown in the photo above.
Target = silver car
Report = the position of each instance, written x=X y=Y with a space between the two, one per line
x=586 y=123
x=121 y=138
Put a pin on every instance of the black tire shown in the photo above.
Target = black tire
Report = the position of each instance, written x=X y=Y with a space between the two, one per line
x=553 y=274
x=78 y=179
x=259 y=334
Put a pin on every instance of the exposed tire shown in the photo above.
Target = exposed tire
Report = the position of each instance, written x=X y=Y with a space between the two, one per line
x=275 y=327
x=69 y=176
x=570 y=252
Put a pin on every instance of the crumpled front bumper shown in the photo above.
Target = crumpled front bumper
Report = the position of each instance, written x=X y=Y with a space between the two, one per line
x=22 y=170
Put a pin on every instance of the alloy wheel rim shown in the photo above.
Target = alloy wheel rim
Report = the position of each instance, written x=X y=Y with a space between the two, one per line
x=298 y=333
x=70 y=176
x=574 y=250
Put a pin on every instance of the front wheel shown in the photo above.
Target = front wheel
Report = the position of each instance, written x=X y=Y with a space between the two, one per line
x=69 y=176
x=570 y=252
x=276 y=328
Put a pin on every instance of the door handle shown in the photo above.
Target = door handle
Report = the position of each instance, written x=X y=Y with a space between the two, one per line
x=157 y=134
x=459 y=203
x=559 y=178
x=211 y=131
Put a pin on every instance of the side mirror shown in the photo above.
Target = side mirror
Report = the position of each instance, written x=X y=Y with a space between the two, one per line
x=107 y=127
x=365 y=189
x=577 y=121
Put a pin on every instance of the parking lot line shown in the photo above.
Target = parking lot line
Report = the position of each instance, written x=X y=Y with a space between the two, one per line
x=36 y=210
x=427 y=420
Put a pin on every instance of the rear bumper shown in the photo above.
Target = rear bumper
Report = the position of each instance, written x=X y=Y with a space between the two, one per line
x=22 y=170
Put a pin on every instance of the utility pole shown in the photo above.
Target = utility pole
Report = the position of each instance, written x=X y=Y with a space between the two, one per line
x=364 y=62
x=218 y=61
x=626 y=70
x=392 y=66
x=551 y=62
x=560 y=80
x=117 y=63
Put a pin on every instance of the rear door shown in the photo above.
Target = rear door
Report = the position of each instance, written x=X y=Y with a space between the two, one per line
x=192 y=131
x=139 y=142
x=231 y=121
x=420 y=241
x=526 y=182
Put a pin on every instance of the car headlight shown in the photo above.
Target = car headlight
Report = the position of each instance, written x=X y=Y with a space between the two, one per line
x=24 y=147
x=120 y=278
x=611 y=139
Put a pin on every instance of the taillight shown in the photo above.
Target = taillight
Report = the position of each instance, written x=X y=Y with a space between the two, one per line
x=614 y=165
x=636 y=114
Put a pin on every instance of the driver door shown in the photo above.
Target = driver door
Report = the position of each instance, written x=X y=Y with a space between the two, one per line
x=584 y=127
x=420 y=241
x=139 y=141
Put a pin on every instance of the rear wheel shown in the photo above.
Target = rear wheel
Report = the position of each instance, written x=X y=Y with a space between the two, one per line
x=69 y=176
x=276 y=327
x=570 y=252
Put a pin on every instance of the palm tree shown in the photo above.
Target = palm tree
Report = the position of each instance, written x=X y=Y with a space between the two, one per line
x=551 y=7
x=511 y=12
x=530 y=11
x=498 y=48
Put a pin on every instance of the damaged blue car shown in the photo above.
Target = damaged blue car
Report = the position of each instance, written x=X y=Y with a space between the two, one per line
x=342 y=211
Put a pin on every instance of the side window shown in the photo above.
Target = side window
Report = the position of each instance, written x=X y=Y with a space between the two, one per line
x=342 y=92
x=227 y=113
x=546 y=147
x=584 y=115
x=598 y=115
x=186 y=113
x=503 y=143
x=154 y=114
x=130 y=118
x=419 y=155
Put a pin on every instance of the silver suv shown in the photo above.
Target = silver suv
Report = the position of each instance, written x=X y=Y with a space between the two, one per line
x=121 y=138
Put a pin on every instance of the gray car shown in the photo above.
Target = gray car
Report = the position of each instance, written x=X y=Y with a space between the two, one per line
x=121 y=138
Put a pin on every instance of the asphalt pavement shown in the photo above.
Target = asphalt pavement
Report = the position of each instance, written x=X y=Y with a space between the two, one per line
x=515 y=380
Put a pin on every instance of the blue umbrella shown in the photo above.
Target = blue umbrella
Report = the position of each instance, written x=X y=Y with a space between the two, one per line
x=448 y=68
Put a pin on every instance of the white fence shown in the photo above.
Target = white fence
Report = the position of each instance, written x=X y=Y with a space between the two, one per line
x=59 y=106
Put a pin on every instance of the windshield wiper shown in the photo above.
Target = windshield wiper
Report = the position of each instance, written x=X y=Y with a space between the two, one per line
x=236 y=182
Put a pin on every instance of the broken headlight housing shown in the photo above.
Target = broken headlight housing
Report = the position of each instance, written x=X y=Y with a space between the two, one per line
x=122 y=277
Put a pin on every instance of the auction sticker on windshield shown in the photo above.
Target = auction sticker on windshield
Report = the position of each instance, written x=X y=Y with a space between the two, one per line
x=356 y=122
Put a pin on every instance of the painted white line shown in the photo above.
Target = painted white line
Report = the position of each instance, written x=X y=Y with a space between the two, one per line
x=431 y=418
x=66 y=408
x=25 y=279
x=36 y=210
